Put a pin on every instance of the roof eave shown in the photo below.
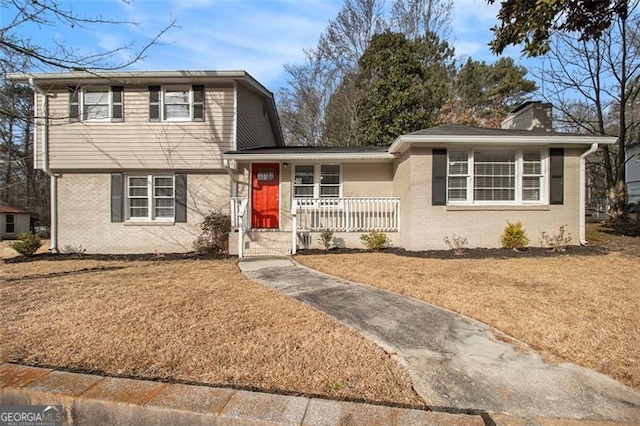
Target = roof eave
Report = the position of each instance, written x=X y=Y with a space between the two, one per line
x=351 y=157
x=403 y=142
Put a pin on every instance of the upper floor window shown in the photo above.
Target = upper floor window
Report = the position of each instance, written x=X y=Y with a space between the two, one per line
x=96 y=103
x=495 y=176
x=317 y=181
x=176 y=103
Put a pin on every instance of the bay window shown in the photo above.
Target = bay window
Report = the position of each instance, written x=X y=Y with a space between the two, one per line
x=493 y=176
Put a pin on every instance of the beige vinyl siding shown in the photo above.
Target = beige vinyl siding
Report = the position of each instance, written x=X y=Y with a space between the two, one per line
x=138 y=144
x=254 y=125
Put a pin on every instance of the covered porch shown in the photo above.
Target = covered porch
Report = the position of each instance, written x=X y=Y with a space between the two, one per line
x=284 y=198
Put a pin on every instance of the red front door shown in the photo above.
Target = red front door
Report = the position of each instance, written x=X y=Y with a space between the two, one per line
x=265 y=193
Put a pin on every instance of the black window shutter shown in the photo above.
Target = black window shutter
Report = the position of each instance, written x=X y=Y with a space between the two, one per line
x=556 y=173
x=117 y=197
x=117 y=103
x=154 y=103
x=198 y=103
x=181 y=198
x=74 y=104
x=439 y=177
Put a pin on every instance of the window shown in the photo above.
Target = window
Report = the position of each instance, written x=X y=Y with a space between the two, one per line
x=10 y=224
x=495 y=177
x=96 y=103
x=151 y=197
x=176 y=103
x=329 y=181
x=303 y=182
x=317 y=181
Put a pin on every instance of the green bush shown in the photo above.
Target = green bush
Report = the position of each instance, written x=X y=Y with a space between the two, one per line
x=374 y=240
x=27 y=244
x=326 y=238
x=514 y=237
x=215 y=234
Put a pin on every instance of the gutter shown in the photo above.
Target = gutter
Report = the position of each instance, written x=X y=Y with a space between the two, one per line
x=53 y=247
x=582 y=199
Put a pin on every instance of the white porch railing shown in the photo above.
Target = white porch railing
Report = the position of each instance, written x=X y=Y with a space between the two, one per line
x=347 y=214
x=234 y=210
x=239 y=223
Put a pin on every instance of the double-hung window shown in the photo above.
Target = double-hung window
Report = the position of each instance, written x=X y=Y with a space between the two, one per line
x=96 y=103
x=495 y=176
x=150 y=198
x=10 y=224
x=317 y=181
x=176 y=103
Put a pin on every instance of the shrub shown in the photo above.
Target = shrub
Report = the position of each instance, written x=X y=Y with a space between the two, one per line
x=514 y=237
x=215 y=234
x=374 y=240
x=27 y=244
x=326 y=238
x=456 y=243
x=555 y=242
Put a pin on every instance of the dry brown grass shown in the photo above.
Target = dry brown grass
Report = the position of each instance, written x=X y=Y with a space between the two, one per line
x=195 y=321
x=581 y=309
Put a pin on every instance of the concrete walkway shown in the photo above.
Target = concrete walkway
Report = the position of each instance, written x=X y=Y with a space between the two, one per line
x=456 y=364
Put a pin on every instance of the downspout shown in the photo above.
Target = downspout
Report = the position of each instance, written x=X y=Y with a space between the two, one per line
x=582 y=198
x=53 y=247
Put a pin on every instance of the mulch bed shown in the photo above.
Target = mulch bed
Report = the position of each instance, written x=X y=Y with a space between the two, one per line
x=474 y=253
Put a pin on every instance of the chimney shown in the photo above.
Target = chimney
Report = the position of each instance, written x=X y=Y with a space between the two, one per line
x=530 y=115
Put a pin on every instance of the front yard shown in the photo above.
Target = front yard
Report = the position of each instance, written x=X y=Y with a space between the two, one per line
x=195 y=321
x=583 y=309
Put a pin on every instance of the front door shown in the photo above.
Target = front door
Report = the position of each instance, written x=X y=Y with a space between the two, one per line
x=265 y=195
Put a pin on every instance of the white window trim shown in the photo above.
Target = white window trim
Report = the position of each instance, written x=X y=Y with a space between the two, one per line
x=519 y=170
x=150 y=218
x=82 y=103
x=174 y=88
x=316 y=180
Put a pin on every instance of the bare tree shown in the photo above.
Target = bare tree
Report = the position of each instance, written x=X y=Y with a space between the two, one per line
x=594 y=84
x=19 y=14
x=416 y=18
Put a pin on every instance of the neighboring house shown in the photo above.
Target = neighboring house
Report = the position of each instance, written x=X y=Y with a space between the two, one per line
x=13 y=221
x=633 y=176
x=138 y=158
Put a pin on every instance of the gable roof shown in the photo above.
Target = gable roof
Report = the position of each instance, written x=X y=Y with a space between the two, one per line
x=5 y=208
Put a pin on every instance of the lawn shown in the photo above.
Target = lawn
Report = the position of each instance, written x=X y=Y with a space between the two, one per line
x=195 y=321
x=583 y=309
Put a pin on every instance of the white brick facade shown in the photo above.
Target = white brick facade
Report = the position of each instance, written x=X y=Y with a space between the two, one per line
x=85 y=217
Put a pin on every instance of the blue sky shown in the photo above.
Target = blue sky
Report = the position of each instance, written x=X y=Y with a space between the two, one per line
x=258 y=36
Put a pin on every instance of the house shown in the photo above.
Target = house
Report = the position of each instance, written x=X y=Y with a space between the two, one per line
x=137 y=160
x=13 y=221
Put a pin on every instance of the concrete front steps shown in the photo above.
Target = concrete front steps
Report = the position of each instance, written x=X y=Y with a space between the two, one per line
x=262 y=243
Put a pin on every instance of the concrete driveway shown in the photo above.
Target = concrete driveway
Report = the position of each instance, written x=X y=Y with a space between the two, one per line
x=457 y=365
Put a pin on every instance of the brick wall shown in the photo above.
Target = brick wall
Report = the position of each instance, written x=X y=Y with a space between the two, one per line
x=85 y=217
